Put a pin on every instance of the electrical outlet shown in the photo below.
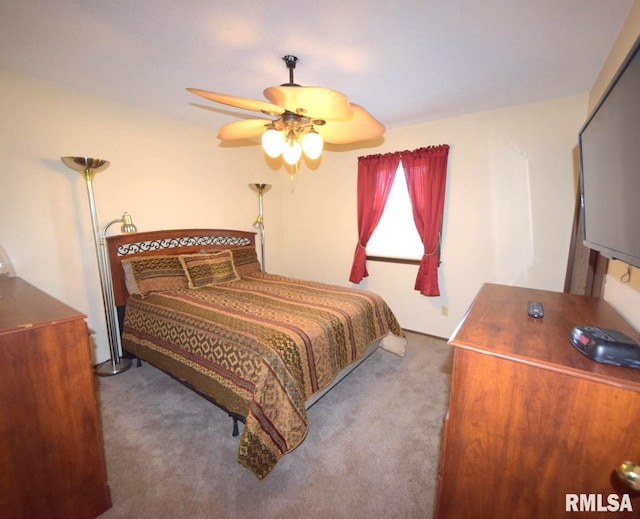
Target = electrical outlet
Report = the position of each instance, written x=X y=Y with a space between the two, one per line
x=444 y=311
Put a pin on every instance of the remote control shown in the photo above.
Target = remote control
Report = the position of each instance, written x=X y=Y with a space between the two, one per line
x=536 y=310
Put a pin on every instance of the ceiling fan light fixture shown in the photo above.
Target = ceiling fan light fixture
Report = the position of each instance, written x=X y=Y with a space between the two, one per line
x=273 y=141
x=299 y=111
x=312 y=144
x=292 y=152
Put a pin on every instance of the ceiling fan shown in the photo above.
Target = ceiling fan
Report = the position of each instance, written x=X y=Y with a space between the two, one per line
x=306 y=116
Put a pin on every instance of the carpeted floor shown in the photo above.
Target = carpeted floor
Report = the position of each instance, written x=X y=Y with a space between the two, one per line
x=371 y=451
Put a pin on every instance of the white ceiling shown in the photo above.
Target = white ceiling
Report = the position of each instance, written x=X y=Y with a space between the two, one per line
x=403 y=60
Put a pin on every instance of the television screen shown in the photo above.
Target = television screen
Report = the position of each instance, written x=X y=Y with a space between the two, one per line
x=610 y=167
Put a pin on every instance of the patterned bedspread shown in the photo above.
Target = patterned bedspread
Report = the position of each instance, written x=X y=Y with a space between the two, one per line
x=261 y=346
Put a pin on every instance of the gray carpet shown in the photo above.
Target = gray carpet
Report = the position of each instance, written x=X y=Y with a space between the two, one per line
x=371 y=451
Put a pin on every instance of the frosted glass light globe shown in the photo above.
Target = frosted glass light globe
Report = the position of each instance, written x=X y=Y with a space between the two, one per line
x=272 y=142
x=291 y=153
x=312 y=144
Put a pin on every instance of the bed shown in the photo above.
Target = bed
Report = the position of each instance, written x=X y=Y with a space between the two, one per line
x=196 y=304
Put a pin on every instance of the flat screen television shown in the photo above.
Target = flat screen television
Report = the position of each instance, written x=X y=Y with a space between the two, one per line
x=609 y=145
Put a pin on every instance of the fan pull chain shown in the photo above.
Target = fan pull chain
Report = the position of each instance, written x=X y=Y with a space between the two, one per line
x=293 y=169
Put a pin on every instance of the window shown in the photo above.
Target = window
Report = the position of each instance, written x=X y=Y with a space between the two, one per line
x=396 y=235
x=426 y=171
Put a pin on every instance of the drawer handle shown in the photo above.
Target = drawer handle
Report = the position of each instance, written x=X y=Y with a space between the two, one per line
x=629 y=473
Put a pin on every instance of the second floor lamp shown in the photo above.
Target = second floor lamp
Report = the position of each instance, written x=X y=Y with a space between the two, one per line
x=259 y=222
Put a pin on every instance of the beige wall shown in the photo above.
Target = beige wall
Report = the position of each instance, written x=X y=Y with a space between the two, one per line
x=509 y=205
x=622 y=291
x=165 y=173
x=508 y=211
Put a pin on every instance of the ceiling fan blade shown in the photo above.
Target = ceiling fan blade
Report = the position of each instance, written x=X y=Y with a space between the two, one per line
x=239 y=102
x=362 y=126
x=247 y=129
x=314 y=102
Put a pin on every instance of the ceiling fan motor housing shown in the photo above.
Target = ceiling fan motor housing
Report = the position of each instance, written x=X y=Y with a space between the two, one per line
x=290 y=61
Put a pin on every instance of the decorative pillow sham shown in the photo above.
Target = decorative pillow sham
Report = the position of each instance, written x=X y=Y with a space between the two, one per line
x=209 y=269
x=154 y=274
x=245 y=260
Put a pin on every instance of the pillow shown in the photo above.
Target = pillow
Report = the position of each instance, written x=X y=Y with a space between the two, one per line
x=245 y=260
x=153 y=274
x=209 y=269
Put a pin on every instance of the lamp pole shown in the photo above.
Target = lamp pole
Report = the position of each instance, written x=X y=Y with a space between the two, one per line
x=88 y=167
x=115 y=364
x=259 y=223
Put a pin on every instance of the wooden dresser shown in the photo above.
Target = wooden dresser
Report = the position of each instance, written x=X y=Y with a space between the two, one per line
x=530 y=418
x=52 y=461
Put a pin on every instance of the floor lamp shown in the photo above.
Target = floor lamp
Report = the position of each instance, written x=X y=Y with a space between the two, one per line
x=259 y=223
x=88 y=167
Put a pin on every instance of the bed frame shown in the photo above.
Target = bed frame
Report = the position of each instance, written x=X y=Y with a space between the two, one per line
x=178 y=241
x=189 y=241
